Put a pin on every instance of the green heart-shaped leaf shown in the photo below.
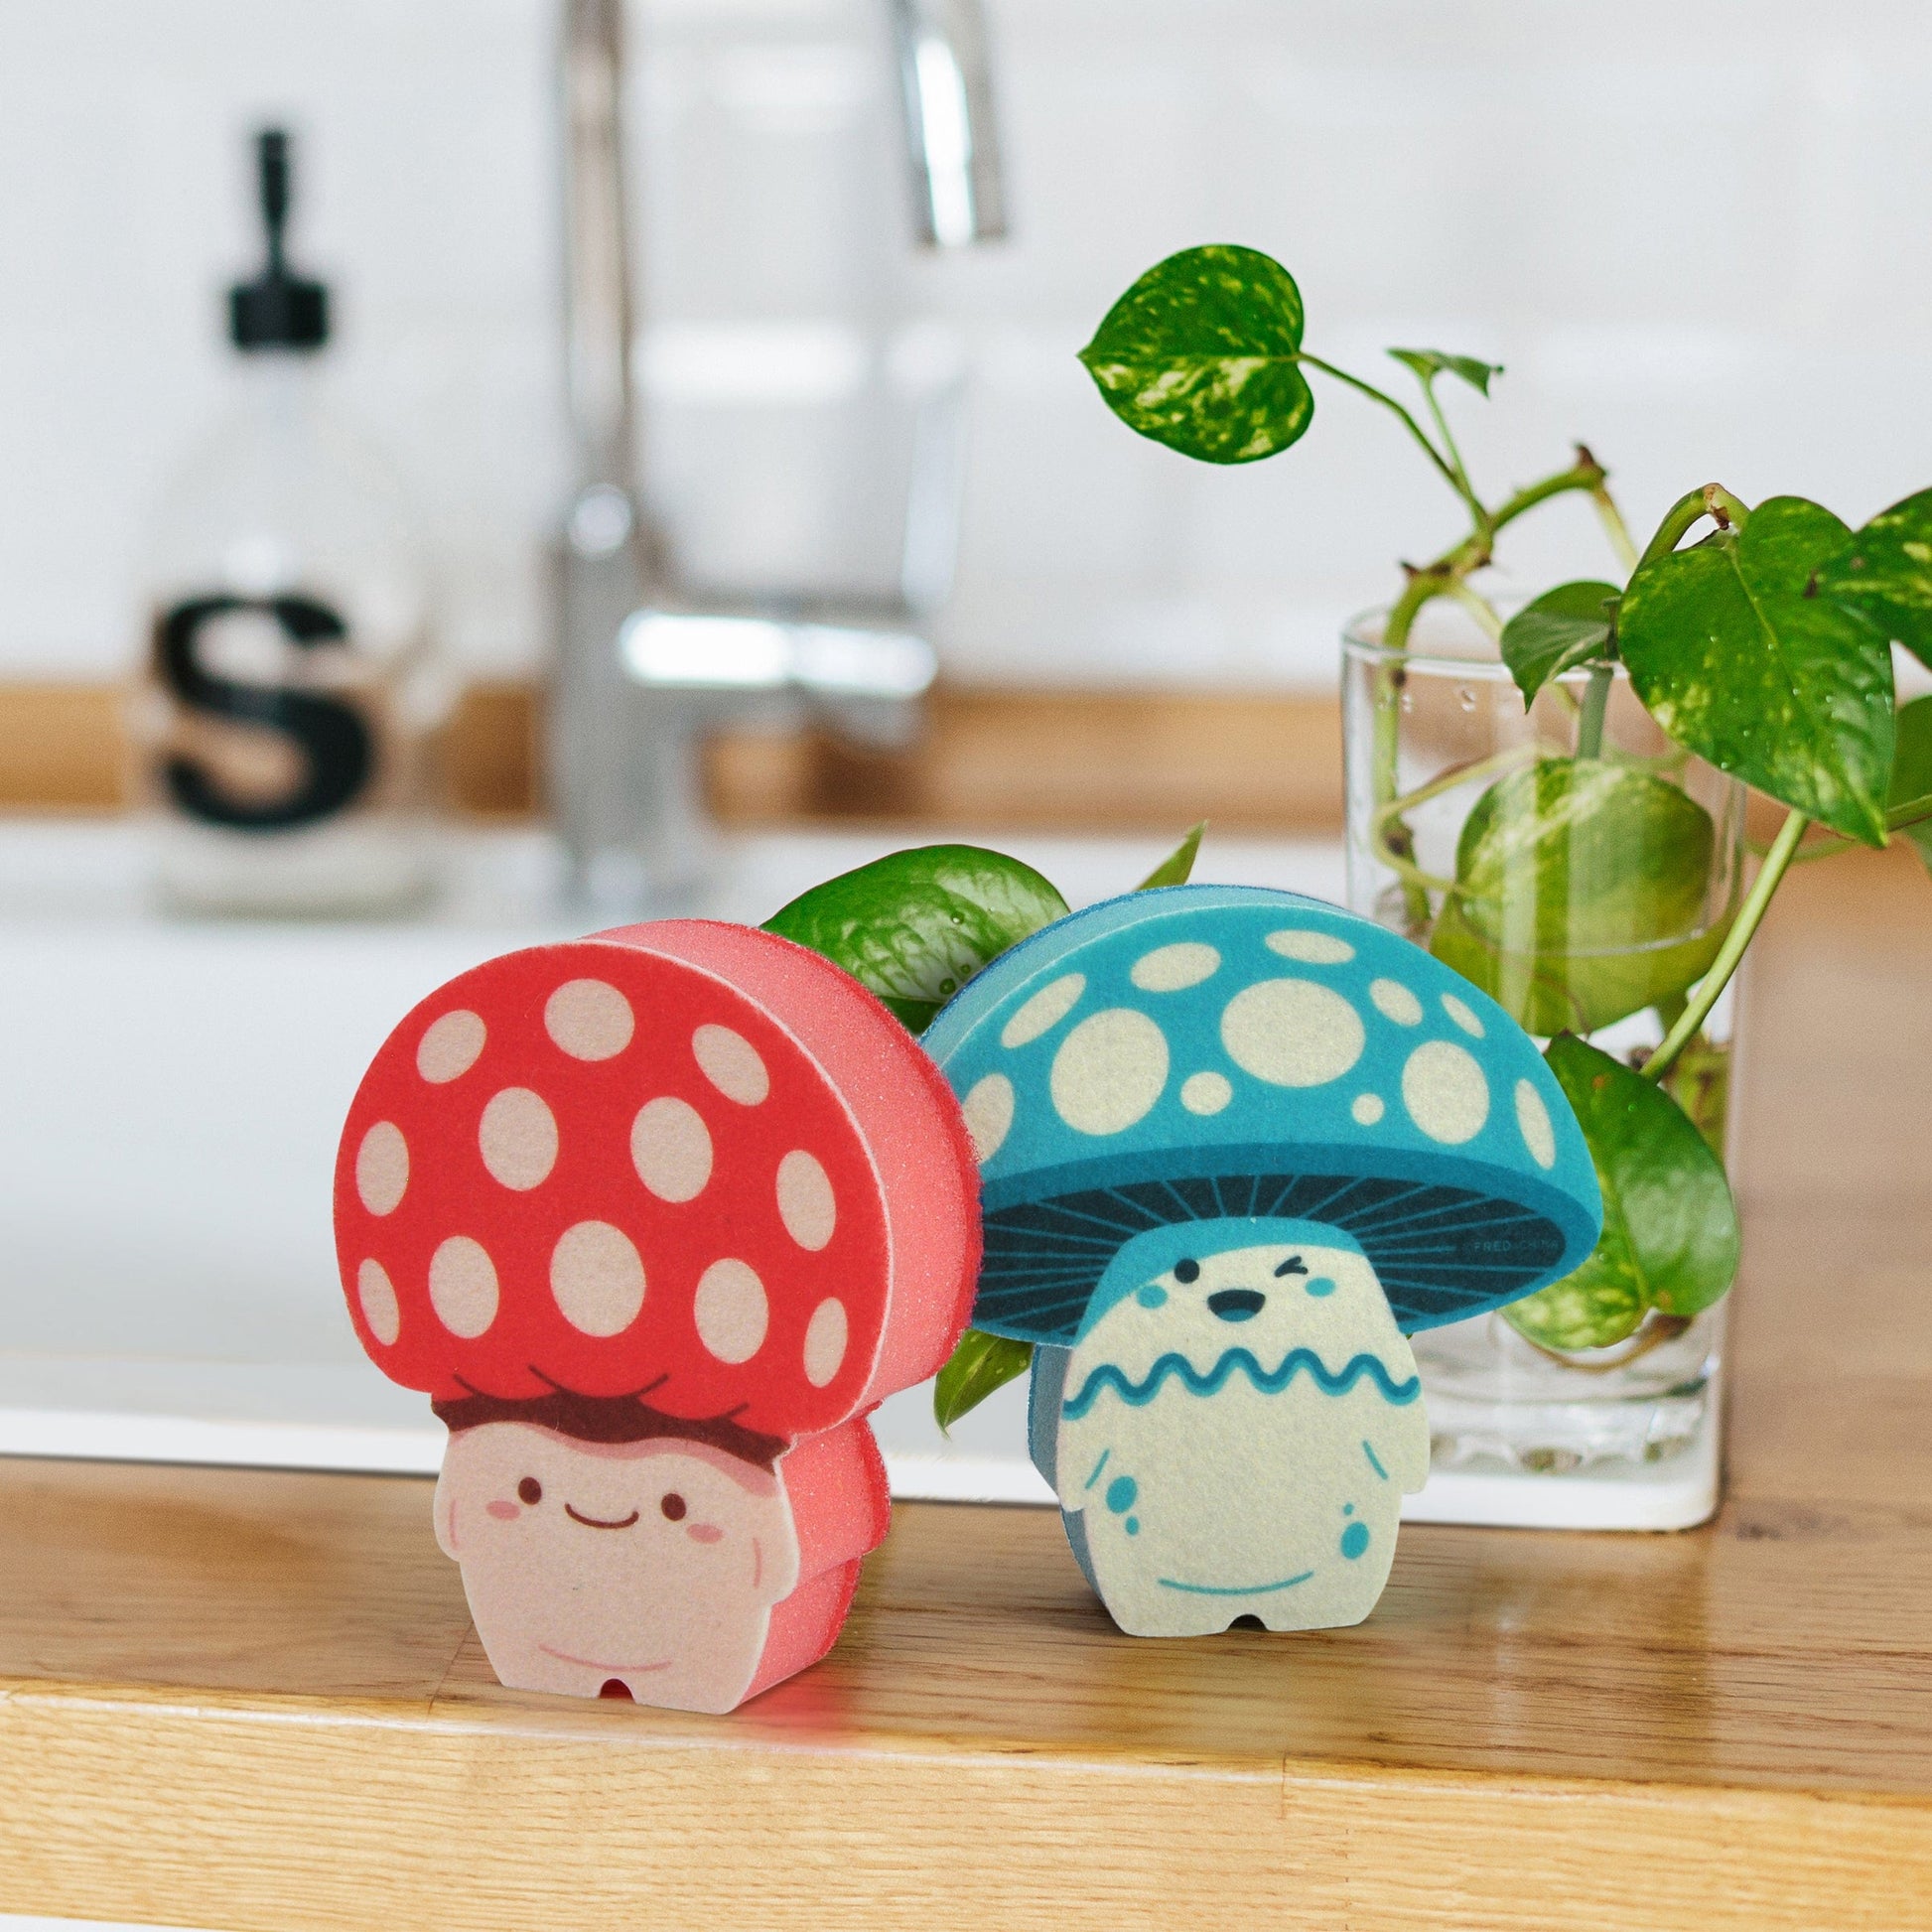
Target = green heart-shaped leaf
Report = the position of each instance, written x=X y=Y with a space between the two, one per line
x=979 y=1365
x=1911 y=771
x=1738 y=660
x=1580 y=887
x=914 y=927
x=1884 y=573
x=1202 y=353
x=1562 y=628
x=1429 y=363
x=1670 y=1226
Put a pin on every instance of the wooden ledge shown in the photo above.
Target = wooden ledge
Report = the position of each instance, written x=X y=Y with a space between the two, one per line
x=255 y=1701
x=998 y=759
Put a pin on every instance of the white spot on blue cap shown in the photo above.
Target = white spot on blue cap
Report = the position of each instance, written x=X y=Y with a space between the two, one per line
x=1109 y=1072
x=1458 y=1010
x=1173 y=969
x=989 y=1115
x=1318 y=948
x=1044 y=1011
x=1394 y=1001
x=1291 y=1033
x=1533 y=1121
x=1206 y=1093
x=1368 y=1109
x=1445 y=1092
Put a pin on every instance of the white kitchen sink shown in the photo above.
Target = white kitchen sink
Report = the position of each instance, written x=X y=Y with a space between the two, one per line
x=171 y=1091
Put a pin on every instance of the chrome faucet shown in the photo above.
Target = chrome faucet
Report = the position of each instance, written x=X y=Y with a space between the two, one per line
x=643 y=669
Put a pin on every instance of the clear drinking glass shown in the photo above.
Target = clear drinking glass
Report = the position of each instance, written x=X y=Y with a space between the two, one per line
x=1583 y=869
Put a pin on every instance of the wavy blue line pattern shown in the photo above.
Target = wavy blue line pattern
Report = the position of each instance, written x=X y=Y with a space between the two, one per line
x=1139 y=1394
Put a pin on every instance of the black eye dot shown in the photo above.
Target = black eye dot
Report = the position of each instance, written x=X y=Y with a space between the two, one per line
x=1293 y=1265
x=673 y=1507
x=530 y=1490
x=1186 y=1271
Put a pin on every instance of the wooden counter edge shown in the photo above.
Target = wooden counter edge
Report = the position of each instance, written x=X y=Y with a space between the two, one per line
x=292 y=1814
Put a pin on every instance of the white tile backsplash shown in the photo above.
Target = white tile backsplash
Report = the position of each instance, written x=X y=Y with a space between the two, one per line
x=1696 y=237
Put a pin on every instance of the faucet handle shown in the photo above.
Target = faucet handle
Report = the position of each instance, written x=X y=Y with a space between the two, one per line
x=702 y=650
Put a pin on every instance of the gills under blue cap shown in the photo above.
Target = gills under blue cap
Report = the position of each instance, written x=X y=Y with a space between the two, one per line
x=1205 y=1053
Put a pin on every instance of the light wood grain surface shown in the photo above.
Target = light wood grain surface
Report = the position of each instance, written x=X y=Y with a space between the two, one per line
x=253 y=1700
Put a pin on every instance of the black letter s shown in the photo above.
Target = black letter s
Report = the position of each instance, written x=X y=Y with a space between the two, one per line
x=332 y=738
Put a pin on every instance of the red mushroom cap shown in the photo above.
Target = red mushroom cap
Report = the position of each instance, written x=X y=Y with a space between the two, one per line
x=687 y=1162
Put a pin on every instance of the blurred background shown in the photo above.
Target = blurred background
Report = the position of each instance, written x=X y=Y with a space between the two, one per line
x=1695 y=236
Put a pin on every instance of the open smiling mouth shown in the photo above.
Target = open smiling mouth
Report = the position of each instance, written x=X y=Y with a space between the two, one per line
x=598 y=1522
x=1240 y=1589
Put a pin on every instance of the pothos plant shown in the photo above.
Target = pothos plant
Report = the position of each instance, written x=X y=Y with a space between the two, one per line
x=1758 y=638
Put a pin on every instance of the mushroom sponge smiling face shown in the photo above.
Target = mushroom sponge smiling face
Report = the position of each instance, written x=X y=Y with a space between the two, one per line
x=681 y=1197
x=676 y=1554
x=1235 y=1145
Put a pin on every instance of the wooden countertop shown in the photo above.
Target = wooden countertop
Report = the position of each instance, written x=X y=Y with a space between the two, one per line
x=246 y=1699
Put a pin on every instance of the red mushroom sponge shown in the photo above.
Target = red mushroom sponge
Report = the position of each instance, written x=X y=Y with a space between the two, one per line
x=688 y=1162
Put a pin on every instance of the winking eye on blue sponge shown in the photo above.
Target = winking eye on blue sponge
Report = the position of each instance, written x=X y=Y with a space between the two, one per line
x=1234 y=1145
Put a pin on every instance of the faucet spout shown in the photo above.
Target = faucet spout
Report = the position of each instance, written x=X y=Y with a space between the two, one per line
x=952 y=144
x=596 y=281
x=642 y=669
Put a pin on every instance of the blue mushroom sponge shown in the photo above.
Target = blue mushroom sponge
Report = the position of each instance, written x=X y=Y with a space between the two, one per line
x=1213 y=1053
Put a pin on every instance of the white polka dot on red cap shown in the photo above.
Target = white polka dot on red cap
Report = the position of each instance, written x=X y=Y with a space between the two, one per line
x=732 y=1064
x=463 y=1286
x=825 y=1339
x=450 y=1045
x=598 y=1279
x=589 y=1020
x=731 y=1311
x=382 y=1168
x=377 y=1294
x=518 y=1137
x=670 y=1146
x=806 y=1203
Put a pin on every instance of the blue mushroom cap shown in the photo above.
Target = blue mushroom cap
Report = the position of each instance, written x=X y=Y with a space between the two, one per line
x=1210 y=1052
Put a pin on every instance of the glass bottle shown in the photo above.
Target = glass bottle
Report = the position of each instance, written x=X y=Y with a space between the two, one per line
x=290 y=688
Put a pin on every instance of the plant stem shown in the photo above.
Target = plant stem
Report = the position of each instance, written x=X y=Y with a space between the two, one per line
x=1750 y=915
x=1421 y=909
x=1689 y=509
x=1479 y=607
x=1589 y=722
x=1393 y=842
x=1725 y=508
x=1448 y=434
x=1616 y=528
x=1440 y=575
x=1584 y=473
x=1901 y=817
x=1494 y=766
x=1713 y=501
x=1415 y=428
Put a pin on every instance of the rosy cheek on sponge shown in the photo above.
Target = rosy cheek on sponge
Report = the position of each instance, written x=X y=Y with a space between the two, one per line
x=704 y=1532
x=503 y=1512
